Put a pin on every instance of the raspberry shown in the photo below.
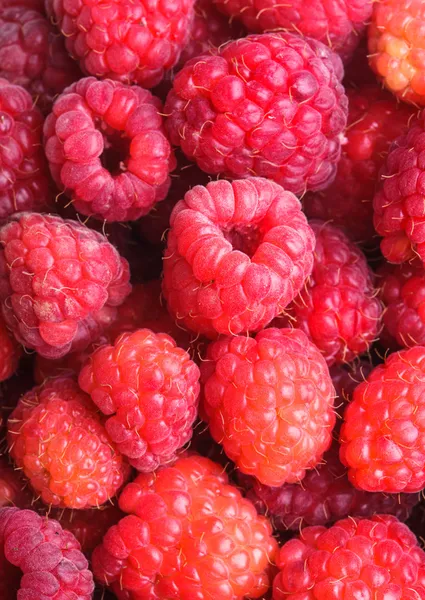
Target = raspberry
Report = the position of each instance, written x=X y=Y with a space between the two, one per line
x=49 y=558
x=106 y=148
x=396 y=47
x=32 y=54
x=150 y=388
x=237 y=254
x=24 y=180
x=58 y=281
x=345 y=379
x=269 y=402
x=337 y=23
x=189 y=534
x=382 y=438
x=337 y=308
x=30 y=4
x=12 y=487
x=358 y=72
x=375 y=119
x=10 y=353
x=59 y=440
x=133 y=41
x=356 y=558
x=266 y=105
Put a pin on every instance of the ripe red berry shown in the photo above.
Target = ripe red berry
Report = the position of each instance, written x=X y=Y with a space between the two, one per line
x=268 y=105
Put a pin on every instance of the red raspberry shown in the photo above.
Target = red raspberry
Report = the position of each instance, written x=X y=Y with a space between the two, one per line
x=345 y=379
x=375 y=119
x=266 y=105
x=269 y=402
x=59 y=440
x=356 y=558
x=58 y=282
x=49 y=558
x=133 y=41
x=33 y=55
x=396 y=47
x=10 y=353
x=30 y=4
x=24 y=179
x=151 y=389
x=383 y=435
x=13 y=490
x=107 y=149
x=237 y=254
x=337 y=23
x=189 y=535
x=337 y=309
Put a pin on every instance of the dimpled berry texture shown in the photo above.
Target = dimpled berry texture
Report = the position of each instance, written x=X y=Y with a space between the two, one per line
x=58 y=282
x=237 y=254
x=337 y=23
x=107 y=149
x=24 y=178
x=356 y=558
x=189 y=534
x=52 y=564
x=149 y=389
x=383 y=435
x=266 y=105
x=58 y=439
x=269 y=402
x=338 y=308
x=133 y=41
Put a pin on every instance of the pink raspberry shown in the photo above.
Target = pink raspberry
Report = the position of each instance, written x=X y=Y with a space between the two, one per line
x=58 y=282
x=269 y=402
x=356 y=558
x=133 y=41
x=107 y=149
x=237 y=254
x=267 y=105
x=149 y=389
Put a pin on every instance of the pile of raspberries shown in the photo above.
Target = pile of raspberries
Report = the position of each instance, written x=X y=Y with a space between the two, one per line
x=212 y=300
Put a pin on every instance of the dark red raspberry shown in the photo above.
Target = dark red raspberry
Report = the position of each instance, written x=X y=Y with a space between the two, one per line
x=107 y=149
x=357 y=72
x=237 y=254
x=149 y=388
x=10 y=352
x=356 y=558
x=189 y=534
x=269 y=402
x=24 y=179
x=32 y=54
x=13 y=489
x=375 y=119
x=133 y=41
x=345 y=379
x=59 y=440
x=267 y=105
x=59 y=281
x=49 y=558
x=383 y=435
x=30 y=4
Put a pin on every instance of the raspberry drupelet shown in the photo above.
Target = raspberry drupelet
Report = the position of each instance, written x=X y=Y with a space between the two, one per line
x=59 y=280
x=107 y=149
x=57 y=437
x=133 y=41
x=269 y=402
x=266 y=105
x=356 y=558
x=189 y=534
x=149 y=389
x=237 y=254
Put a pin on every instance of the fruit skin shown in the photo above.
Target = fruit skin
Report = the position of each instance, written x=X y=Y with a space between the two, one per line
x=356 y=558
x=50 y=558
x=382 y=438
x=269 y=402
x=266 y=105
x=149 y=389
x=24 y=179
x=375 y=119
x=58 y=439
x=133 y=41
x=10 y=352
x=13 y=489
x=237 y=254
x=59 y=282
x=189 y=534
x=95 y=119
